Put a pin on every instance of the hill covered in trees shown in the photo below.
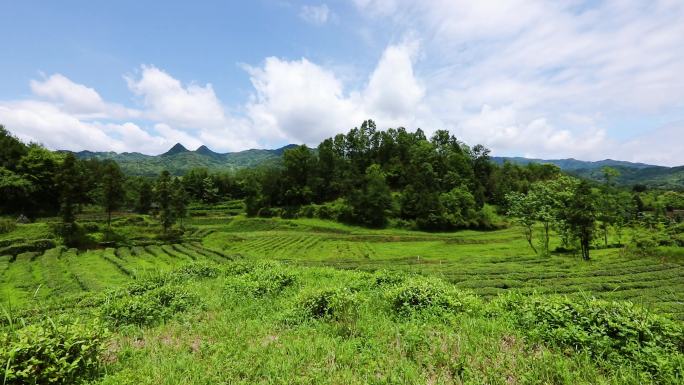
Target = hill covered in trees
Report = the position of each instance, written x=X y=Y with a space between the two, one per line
x=629 y=173
x=178 y=160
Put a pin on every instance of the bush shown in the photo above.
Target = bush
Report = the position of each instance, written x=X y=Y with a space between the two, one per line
x=388 y=278
x=308 y=211
x=612 y=332
x=329 y=305
x=428 y=297
x=147 y=308
x=38 y=245
x=194 y=271
x=51 y=353
x=259 y=280
x=7 y=225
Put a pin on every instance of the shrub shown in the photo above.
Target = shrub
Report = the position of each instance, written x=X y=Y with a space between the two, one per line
x=7 y=225
x=308 y=211
x=260 y=279
x=51 y=353
x=426 y=297
x=194 y=271
x=147 y=308
x=38 y=245
x=388 y=278
x=612 y=332
x=329 y=305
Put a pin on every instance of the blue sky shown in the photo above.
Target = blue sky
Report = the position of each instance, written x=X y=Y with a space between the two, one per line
x=569 y=78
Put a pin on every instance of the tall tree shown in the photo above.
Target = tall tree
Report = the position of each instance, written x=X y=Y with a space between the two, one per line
x=111 y=188
x=68 y=181
x=144 y=197
x=163 y=193
x=371 y=205
x=581 y=216
x=179 y=200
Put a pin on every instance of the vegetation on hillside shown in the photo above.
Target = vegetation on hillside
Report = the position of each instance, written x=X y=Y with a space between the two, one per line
x=339 y=264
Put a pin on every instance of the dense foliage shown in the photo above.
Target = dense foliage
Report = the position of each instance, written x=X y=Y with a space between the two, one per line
x=51 y=353
x=435 y=184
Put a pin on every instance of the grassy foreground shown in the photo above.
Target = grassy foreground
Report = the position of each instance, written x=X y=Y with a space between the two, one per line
x=407 y=307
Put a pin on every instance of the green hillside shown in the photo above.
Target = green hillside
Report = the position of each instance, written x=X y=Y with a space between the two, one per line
x=178 y=160
x=630 y=173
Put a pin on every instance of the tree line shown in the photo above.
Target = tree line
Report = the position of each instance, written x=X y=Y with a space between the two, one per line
x=373 y=176
x=367 y=177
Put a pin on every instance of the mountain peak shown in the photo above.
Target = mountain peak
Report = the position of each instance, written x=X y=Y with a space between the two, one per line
x=176 y=149
x=204 y=150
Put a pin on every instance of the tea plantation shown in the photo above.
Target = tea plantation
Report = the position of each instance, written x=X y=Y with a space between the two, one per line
x=238 y=300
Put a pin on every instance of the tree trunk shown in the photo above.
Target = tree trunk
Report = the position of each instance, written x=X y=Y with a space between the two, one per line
x=528 y=235
x=585 y=248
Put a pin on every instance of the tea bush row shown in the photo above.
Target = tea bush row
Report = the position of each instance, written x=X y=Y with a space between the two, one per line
x=613 y=333
x=51 y=353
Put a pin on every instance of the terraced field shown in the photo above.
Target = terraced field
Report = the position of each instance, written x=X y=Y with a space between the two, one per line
x=57 y=273
x=485 y=262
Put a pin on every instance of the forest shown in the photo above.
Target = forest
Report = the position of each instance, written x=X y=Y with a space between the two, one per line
x=377 y=246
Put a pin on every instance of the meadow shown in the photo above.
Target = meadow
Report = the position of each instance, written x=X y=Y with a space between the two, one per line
x=270 y=300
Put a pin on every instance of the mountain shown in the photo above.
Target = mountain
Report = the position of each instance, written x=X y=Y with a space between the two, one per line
x=630 y=173
x=176 y=149
x=204 y=150
x=574 y=164
x=178 y=159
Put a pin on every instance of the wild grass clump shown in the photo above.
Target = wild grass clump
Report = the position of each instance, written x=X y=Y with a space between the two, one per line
x=613 y=333
x=51 y=353
x=147 y=307
x=259 y=279
x=429 y=297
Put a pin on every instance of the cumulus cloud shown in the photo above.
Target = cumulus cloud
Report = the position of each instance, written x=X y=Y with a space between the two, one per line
x=77 y=98
x=596 y=61
x=166 y=99
x=45 y=123
x=301 y=101
x=315 y=14
x=530 y=78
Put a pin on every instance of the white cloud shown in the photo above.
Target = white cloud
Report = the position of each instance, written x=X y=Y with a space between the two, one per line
x=166 y=99
x=45 y=123
x=77 y=98
x=523 y=77
x=315 y=14
x=303 y=102
x=393 y=90
x=300 y=101
x=661 y=146
x=544 y=62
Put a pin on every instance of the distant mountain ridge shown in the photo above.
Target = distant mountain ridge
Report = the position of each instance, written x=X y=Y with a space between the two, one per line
x=630 y=173
x=178 y=159
x=575 y=164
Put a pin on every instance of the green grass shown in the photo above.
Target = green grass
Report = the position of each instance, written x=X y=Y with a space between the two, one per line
x=487 y=262
x=242 y=332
